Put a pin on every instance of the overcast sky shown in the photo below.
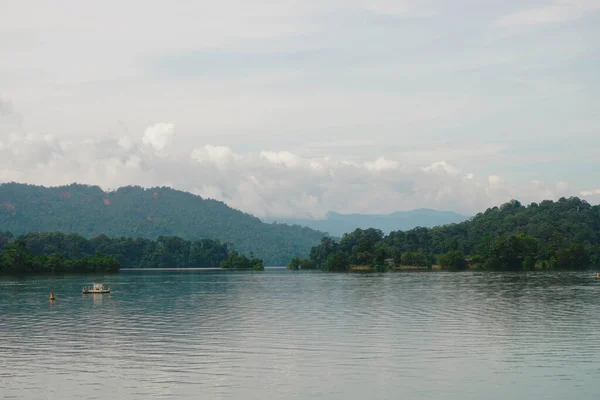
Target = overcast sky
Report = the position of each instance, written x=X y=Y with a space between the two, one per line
x=296 y=108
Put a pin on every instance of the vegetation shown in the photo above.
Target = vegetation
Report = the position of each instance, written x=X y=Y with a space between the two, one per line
x=165 y=252
x=148 y=214
x=239 y=261
x=15 y=259
x=297 y=263
x=563 y=234
x=453 y=260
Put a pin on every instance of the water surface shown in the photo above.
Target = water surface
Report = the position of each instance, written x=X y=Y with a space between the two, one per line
x=280 y=334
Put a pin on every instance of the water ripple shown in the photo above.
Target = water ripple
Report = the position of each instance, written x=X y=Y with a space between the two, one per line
x=222 y=335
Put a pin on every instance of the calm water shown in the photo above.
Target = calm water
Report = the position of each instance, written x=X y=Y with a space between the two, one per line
x=279 y=334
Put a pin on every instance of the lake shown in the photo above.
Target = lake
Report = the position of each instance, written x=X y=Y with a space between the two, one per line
x=302 y=335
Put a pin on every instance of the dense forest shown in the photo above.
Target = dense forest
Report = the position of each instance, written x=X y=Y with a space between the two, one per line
x=148 y=213
x=165 y=252
x=60 y=252
x=563 y=234
x=552 y=234
x=15 y=258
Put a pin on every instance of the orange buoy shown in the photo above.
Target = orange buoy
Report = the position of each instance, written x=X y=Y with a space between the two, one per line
x=52 y=298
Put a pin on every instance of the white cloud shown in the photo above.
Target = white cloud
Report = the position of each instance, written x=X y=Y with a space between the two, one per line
x=8 y=113
x=387 y=7
x=267 y=183
x=283 y=158
x=159 y=136
x=557 y=11
x=562 y=186
x=381 y=164
x=125 y=142
x=443 y=166
x=588 y=193
x=220 y=156
x=346 y=105
x=592 y=195
x=496 y=182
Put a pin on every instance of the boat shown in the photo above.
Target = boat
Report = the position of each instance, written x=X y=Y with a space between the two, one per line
x=96 y=288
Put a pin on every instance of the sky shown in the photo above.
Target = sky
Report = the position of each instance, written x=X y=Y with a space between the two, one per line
x=296 y=108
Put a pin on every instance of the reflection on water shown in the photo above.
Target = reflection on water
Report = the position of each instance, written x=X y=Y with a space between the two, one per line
x=279 y=334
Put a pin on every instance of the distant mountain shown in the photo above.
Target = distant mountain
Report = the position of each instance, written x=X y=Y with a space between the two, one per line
x=337 y=224
x=148 y=213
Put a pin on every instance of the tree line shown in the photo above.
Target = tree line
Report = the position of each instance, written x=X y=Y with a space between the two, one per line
x=65 y=252
x=561 y=234
x=16 y=259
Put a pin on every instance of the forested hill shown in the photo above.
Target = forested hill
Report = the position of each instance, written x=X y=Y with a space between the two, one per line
x=147 y=213
x=561 y=234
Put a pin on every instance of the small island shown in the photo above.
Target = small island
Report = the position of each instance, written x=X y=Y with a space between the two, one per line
x=239 y=261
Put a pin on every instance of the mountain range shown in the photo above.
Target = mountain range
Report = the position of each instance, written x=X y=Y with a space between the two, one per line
x=150 y=213
x=336 y=224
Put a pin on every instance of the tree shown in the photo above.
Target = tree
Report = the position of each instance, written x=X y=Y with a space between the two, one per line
x=454 y=260
x=294 y=264
x=306 y=263
x=573 y=257
x=337 y=262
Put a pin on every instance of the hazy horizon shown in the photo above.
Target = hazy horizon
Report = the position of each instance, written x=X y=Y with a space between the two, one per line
x=292 y=110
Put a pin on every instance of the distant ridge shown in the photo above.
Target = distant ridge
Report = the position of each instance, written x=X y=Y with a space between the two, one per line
x=133 y=211
x=337 y=224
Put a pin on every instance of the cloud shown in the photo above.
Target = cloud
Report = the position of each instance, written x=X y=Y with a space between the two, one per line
x=301 y=107
x=444 y=167
x=388 y=7
x=558 y=11
x=8 y=112
x=588 y=193
x=283 y=157
x=381 y=164
x=592 y=195
x=496 y=182
x=215 y=156
x=264 y=183
x=125 y=142
x=159 y=136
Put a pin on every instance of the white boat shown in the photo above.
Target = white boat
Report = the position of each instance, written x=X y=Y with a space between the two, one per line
x=96 y=288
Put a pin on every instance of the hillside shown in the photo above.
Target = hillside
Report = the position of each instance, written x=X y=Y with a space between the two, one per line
x=147 y=213
x=561 y=234
x=337 y=224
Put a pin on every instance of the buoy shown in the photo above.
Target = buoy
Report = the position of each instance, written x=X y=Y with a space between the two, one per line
x=52 y=298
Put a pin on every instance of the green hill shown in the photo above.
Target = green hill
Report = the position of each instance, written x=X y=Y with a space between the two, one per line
x=551 y=234
x=136 y=212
